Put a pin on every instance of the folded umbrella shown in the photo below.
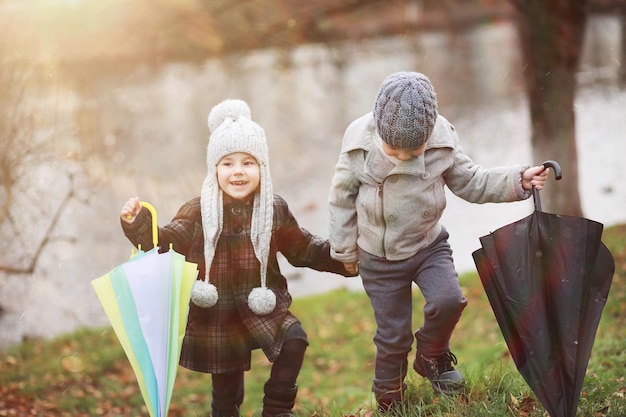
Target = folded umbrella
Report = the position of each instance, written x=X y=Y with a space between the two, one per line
x=547 y=278
x=147 y=301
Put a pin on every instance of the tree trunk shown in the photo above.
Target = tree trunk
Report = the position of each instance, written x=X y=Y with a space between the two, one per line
x=622 y=68
x=551 y=35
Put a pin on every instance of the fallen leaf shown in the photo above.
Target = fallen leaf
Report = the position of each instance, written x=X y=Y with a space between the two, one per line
x=72 y=364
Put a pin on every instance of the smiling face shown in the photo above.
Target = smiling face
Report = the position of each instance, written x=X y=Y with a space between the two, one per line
x=403 y=154
x=238 y=175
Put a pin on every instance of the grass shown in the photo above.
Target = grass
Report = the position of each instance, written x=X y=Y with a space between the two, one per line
x=86 y=373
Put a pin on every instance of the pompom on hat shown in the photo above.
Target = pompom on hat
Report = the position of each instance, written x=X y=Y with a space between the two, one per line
x=232 y=130
x=405 y=110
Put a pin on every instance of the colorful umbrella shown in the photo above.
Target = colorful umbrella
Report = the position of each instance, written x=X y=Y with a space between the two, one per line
x=147 y=301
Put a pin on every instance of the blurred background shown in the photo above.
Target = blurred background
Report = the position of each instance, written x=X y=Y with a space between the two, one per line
x=102 y=100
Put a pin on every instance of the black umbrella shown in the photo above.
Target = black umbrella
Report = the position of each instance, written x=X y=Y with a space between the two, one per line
x=547 y=278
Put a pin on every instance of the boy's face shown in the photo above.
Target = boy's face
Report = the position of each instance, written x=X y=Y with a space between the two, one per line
x=403 y=154
x=238 y=175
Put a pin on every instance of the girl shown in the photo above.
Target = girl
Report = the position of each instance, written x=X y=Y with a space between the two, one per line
x=233 y=232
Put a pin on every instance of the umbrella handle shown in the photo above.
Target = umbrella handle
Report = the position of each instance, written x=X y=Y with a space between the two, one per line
x=155 y=224
x=557 y=174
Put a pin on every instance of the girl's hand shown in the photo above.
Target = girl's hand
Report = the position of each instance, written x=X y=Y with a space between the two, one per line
x=130 y=210
x=352 y=267
x=536 y=176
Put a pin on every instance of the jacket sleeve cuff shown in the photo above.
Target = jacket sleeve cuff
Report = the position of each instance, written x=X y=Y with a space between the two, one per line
x=344 y=257
x=139 y=231
x=519 y=190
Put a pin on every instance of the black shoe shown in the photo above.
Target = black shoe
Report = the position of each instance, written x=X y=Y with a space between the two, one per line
x=440 y=372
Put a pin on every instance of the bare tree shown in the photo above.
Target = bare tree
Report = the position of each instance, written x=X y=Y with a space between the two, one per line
x=551 y=33
x=622 y=68
x=15 y=126
x=27 y=216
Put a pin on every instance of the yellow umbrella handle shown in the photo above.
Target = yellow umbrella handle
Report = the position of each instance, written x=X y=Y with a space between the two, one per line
x=155 y=224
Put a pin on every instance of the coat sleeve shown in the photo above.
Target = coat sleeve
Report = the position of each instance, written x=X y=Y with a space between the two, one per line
x=342 y=211
x=300 y=247
x=345 y=188
x=139 y=233
x=477 y=184
x=178 y=233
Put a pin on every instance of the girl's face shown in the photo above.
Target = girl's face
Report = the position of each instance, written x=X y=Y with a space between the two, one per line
x=238 y=175
x=403 y=154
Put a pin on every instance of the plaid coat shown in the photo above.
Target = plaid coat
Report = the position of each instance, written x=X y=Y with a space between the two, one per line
x=220 y=338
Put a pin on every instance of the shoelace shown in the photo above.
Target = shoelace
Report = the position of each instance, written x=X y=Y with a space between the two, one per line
x=443 y=363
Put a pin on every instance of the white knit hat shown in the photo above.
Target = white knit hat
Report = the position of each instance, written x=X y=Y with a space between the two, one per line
x=232 y=130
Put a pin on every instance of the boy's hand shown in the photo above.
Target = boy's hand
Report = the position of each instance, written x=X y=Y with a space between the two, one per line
x=536 y=176
x=352 y=267
x=130 y=210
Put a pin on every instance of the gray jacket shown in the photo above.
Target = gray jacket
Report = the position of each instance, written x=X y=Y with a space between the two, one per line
x=391 y=209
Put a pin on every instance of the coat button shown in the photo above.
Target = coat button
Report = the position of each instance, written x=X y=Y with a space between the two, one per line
x=391 y=249
x=392 y=217
x=425 y=213
x=236 y=211
x=393 y=179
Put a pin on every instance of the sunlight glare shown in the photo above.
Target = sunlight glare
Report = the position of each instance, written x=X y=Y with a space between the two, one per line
x=72 y=3
x=65 y=3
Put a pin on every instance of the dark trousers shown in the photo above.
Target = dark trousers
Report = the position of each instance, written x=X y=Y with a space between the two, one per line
x=389 y=287
x=280 y=389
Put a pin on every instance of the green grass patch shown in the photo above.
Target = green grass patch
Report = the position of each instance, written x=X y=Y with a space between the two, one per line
x=86 y=373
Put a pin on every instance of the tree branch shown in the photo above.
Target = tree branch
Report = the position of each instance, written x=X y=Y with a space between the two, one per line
x=46 y=239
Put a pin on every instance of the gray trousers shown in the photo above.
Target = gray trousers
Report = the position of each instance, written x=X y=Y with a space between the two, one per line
x=389 y=287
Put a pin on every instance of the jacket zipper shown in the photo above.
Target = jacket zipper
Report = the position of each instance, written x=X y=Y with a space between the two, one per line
x=382 y=215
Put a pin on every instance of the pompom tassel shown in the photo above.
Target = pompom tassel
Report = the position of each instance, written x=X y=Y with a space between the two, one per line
x=203 y=294
x=261 y=301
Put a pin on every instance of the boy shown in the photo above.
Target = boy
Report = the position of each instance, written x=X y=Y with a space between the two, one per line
x=386 y=199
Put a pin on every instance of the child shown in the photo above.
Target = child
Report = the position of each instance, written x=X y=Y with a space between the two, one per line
x=233 y=232
x=386 y=199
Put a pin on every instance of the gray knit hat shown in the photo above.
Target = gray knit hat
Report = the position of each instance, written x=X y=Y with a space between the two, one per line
x=232 y=130
x=405 y=110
